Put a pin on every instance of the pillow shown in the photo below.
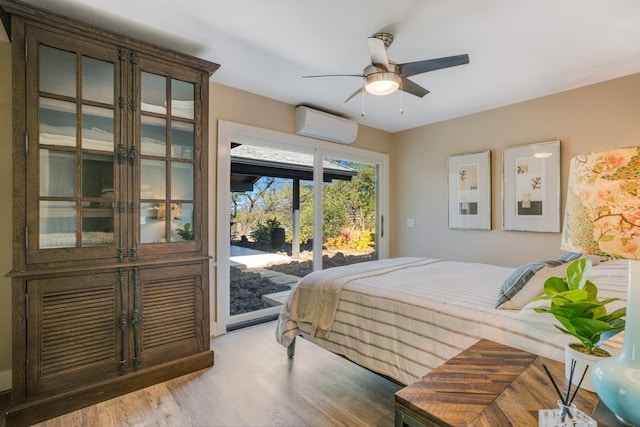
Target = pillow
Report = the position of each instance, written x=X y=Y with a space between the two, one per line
x=527 y=282
x=569 y=256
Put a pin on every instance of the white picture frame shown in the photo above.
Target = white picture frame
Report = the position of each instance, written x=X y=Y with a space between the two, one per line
x=531 y=187
x=469 y=178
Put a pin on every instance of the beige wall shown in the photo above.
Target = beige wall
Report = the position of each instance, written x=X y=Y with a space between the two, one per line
x=601 y=116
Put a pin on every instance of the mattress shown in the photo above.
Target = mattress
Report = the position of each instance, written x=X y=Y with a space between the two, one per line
x=410 y=315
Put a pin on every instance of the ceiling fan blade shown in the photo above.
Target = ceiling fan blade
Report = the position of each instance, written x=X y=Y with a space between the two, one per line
x=412 y=68
x=353 y=95
x=378 y=52
x=413 y=88
x=333 y=75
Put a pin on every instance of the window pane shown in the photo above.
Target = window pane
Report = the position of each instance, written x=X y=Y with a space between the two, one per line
x=153 y=136
x=97 y=178
x=57 y=71
x=182 y=224
x=182 y=137
x=182 y=99
x=97 y=224
x=97 y=80
x=57 y=122
x=152 y=223
x=57 y=174
x=154 y=93
x=57 y=224
x=182 y=181
x=153 y=179
x=97 y=128
x=349 y=207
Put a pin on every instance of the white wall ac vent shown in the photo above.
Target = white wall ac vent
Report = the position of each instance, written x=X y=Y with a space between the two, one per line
x=318 y=124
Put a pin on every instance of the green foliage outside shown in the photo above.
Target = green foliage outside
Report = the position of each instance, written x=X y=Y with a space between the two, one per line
x=262 y=233
x=349 y=209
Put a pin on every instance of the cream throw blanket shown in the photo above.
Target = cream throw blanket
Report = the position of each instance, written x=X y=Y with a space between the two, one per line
x=315 y=298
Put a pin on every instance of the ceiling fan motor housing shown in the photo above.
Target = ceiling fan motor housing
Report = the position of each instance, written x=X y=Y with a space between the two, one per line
x=381 y=82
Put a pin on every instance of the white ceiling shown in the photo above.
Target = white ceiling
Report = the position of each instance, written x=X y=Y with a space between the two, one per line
x=518 y=49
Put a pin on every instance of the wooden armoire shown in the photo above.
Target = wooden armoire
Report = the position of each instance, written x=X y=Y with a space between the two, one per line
x=110 y=284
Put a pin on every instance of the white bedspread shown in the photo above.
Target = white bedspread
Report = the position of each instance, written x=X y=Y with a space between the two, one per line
x=403 y=317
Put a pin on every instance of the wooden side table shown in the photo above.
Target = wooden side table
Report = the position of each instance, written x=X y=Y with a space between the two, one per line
x=488 y=384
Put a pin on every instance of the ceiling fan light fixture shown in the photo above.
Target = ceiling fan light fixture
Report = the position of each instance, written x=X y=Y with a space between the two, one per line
x=382 y=83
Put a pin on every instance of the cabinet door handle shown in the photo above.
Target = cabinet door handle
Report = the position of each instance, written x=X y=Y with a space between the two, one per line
x=133 y=158
x=122 y=365
x=136 y=319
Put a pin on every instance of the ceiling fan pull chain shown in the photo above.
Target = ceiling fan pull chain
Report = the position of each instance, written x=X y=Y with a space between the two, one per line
x=363 y=95
x=401 y=99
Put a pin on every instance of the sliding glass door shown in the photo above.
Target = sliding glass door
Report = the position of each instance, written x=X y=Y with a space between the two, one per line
x=271 y=243
x=289 y=205
x=350 y=214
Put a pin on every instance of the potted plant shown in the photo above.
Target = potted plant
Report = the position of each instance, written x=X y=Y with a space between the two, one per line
x=186 y=233
x=575 y=304
x=276 y=234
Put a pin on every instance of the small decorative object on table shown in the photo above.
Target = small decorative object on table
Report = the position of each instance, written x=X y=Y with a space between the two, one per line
x=566 y=414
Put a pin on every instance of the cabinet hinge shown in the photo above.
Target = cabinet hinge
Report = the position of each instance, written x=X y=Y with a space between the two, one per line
x=26 y=238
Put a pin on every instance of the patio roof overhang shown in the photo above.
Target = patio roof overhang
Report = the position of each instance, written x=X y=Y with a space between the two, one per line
x=249 y=163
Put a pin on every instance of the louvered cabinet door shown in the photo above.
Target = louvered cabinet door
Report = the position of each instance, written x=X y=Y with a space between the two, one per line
x=172 y=321
x=72 y=336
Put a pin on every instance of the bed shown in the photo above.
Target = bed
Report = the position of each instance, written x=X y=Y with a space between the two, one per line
x=402 y=317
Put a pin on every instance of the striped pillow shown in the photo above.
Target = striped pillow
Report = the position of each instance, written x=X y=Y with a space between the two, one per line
x=569 y=256
x=516 y=282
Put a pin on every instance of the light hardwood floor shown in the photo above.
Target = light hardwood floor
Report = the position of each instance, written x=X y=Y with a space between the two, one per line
x=253 y=383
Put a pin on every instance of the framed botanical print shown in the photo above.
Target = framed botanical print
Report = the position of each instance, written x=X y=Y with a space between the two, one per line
x=531 y=187
x=470 y=191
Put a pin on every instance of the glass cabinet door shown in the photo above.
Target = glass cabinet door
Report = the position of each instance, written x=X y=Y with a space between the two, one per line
x=74 y=91
x=167 y=184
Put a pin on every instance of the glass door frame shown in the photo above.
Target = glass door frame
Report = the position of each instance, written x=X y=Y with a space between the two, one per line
x=229 y=132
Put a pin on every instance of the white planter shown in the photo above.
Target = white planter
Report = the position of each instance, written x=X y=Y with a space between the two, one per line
x=582 y=360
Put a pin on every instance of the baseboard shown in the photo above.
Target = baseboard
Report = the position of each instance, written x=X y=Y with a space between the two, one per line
x=216 y=329
x=5 y=380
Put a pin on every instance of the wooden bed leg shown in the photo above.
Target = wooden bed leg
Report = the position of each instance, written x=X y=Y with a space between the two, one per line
x=291 y=349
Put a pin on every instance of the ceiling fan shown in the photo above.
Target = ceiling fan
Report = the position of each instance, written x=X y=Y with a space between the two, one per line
x=383 y=77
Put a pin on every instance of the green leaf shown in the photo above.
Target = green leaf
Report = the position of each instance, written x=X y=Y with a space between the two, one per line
x=578 y=272
x=554 y=285
x=621 y=312
x=593 y=329
x=570 y=296
x=592 y=291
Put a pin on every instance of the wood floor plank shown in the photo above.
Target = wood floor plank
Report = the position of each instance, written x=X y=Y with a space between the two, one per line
x=253 y=383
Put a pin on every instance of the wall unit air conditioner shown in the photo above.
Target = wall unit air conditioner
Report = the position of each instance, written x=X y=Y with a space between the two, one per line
x=318 y=124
